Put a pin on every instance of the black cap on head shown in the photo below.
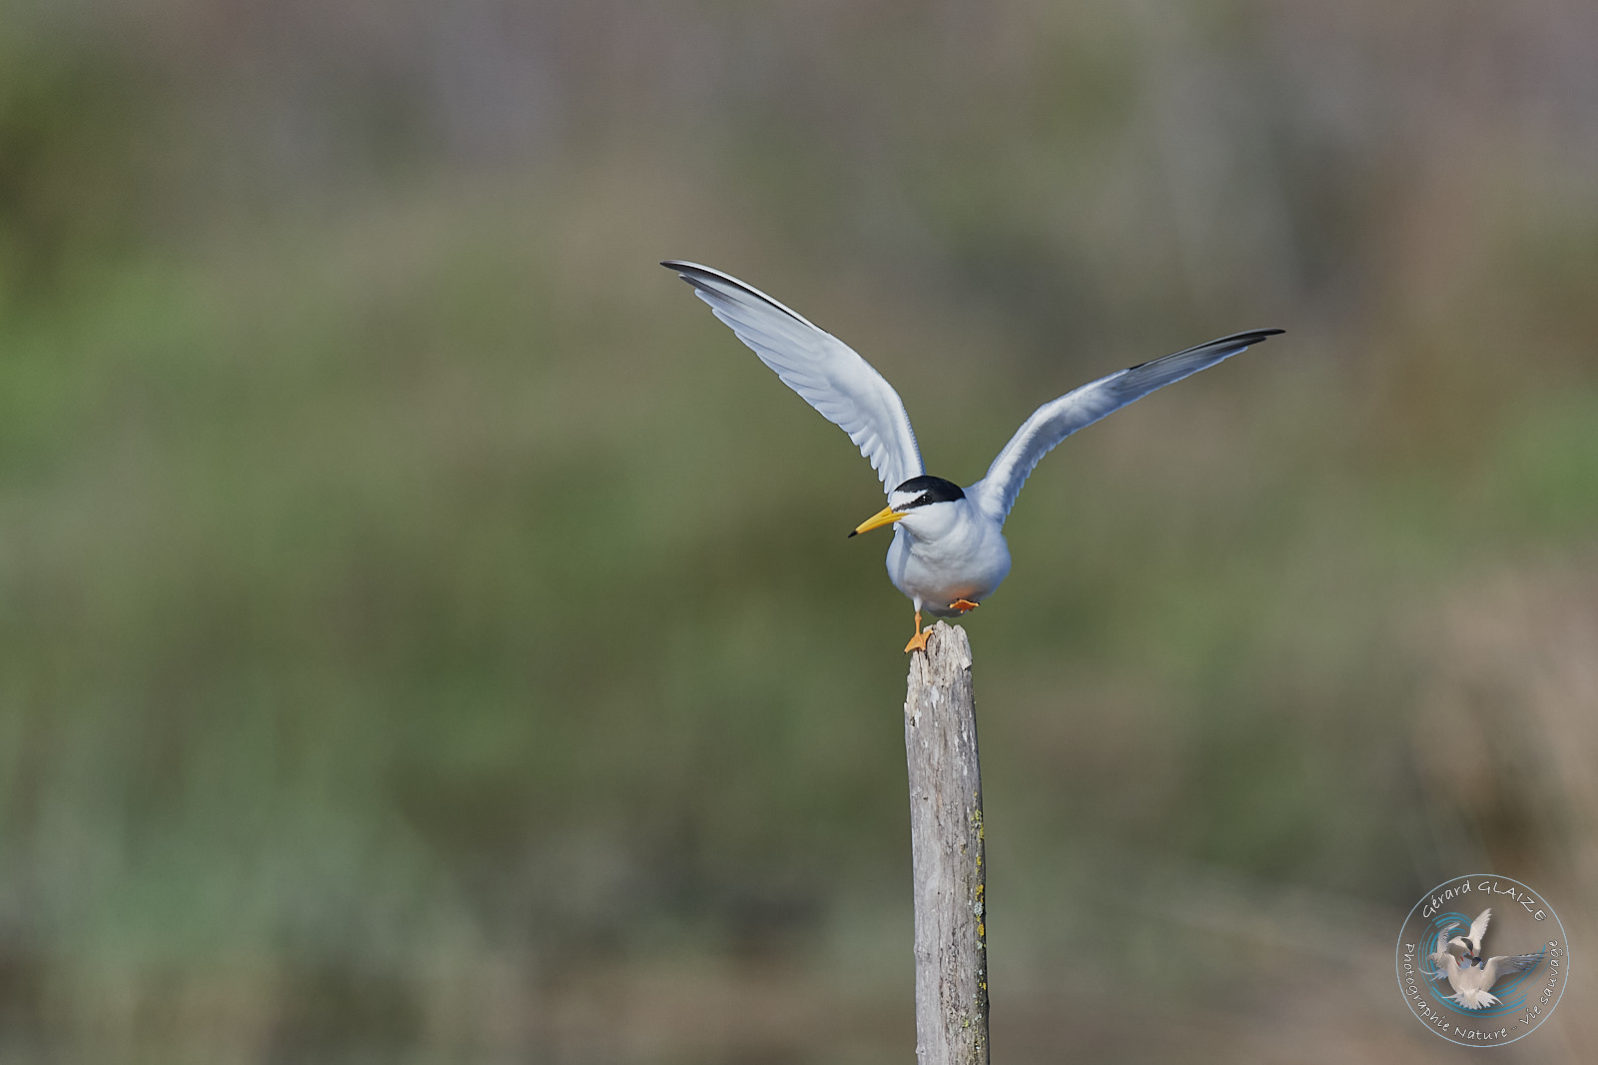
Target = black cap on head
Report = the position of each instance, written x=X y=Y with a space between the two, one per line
x=929 y=489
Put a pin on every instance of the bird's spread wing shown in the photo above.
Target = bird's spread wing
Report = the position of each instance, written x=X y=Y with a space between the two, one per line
x=1505 y=964
x=829 y=374
x=1443 y=935
x=1058 y=419
x=1478 y=928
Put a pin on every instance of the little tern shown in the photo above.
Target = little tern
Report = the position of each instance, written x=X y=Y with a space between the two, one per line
x=948 y=552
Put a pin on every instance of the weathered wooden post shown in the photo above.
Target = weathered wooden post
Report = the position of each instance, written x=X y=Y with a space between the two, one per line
x=946 y=837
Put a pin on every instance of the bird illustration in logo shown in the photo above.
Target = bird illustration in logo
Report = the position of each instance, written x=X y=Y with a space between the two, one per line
x=1470 y=973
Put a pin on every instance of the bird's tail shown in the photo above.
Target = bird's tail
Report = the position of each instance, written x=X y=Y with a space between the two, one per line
x=1473 y=999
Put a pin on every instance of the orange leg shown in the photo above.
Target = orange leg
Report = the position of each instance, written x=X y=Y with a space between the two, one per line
x=918 y=642
x=963 y=605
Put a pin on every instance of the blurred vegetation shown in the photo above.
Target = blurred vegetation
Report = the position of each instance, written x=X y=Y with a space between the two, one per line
x=426 y=634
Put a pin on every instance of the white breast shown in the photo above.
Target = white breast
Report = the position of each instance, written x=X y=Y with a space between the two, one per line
x=959 y=555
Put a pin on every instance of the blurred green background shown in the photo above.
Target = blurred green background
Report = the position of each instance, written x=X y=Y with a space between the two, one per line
x=427 y=635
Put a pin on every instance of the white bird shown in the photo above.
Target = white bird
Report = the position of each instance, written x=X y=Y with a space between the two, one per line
x=1470 y=975
x=948 y=552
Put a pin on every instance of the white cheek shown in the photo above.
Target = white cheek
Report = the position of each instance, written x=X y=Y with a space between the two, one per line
x=927 y=521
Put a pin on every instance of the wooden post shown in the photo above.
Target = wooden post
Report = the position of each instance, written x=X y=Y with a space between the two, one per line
x=946 y=837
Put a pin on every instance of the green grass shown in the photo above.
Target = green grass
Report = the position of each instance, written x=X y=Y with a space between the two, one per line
x=345 y=588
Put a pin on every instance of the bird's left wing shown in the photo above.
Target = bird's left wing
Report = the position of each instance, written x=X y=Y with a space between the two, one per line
x=1440 y=955
x=829 y=374
x=1058 y=419
x=1478 y=927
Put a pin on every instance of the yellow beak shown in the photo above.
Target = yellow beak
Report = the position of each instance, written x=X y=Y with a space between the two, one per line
x=885 y=516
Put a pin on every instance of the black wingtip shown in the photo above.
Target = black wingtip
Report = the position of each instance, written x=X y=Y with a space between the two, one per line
x=1239 y=341
x=698 y=276
x=1252 y=336
x=1248 y=336
x=852 y=533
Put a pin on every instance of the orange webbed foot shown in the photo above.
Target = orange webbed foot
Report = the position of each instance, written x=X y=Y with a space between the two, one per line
x=963 y=605
x=918 y=642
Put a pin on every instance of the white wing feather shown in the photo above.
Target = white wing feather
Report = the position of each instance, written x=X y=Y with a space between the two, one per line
x=1058 y=419
x=1441 y=943
x=1505 y=964
x=1478 y=928
x=829 y=374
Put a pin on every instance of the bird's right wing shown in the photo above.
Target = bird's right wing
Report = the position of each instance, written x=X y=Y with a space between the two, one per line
x=829 y=374
x=1505 y=964
x=1058 y=419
